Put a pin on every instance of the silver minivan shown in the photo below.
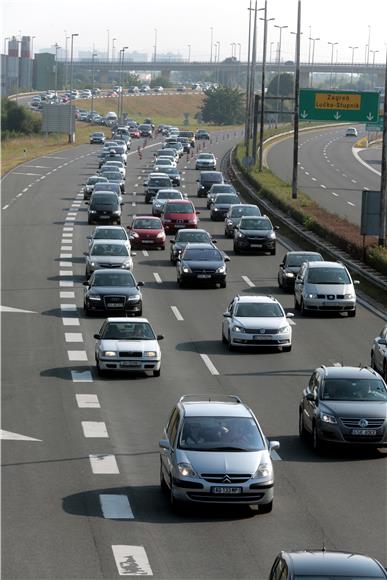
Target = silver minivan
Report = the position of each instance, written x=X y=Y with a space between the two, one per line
x=324 y=286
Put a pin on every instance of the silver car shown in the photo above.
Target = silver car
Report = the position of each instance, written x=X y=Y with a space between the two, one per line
x=162 y=197
x=108 y=254
x=379 y=353
x=127 y=345
x=324 y=286
x=214 y=451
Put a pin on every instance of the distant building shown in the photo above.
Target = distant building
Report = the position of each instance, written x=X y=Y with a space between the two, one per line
x=44 y=71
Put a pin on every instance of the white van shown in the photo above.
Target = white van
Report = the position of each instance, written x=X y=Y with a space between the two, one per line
x=111 y=116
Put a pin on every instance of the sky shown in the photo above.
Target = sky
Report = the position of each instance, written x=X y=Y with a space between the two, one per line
x=184 y=27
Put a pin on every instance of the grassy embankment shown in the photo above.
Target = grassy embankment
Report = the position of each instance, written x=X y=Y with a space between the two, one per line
x=167 y=109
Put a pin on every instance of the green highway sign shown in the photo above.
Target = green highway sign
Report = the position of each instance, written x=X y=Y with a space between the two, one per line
x=375 y=127
x=326 y=105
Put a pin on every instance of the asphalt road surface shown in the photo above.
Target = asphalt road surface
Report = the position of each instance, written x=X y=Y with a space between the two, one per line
x=95 y=437
x=328 y=171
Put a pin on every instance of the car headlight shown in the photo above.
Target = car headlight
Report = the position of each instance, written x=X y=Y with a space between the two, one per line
x=240 y=235
x=289 y=274
x=160 y=235
x=150 y=353
x=95 y=297
x=350 y=295
x=134 y=298
x=215 y=209
x=264 y=470
x=229 y=222
x=327 y=418
x=92 y=211
x=110 y=353
x=221 y=270
x=117 y=212
x=271 y=236
x=135 y=235
x=127 y=264
x=284 y=329
x=186 y=470
x=311 y=295
x=238 y=329
x=186 y=269
x=93 y=264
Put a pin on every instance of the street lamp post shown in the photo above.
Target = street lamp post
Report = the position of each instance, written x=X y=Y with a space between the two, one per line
x=114 y=49
x=108 y=44
x=333 y=44
x=310 y=45
x=240 y=50
x=279 y=65
x=121 y=93
x=262 y=103
x=56 y=67
x=369 y=44
x=373 y=67
x=155 y=46
x=311 y=74
x=71 y=128
x=212 y=41
x=5 y=44
x=66 y=61
x=189 y=52
x=92 y=80
x=353 y=48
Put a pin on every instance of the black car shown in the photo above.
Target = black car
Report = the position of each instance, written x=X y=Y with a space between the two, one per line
x=235 y=213
x=145 y=130
x=325 y=564
x=97 y=137
x=255 y=233
x=206 y=180
x=104 y=208
x=201 y=134
x=219 y=188
x=108 y=291
x=290 y=266
x=186 y=144
x=344 y=405
x=155 y=183
x=188 y=236
x=173 y=174
x=202 y=262
x=221 y=205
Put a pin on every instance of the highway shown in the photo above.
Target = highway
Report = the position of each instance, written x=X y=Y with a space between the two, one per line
x=93 y=437
x=328 y=171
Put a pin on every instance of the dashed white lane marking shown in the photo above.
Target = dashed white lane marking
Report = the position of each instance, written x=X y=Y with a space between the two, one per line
x=68 y=283
x=344 y=175
x=85 y=401
x=70 y=321
x=5 y=206
x=131 y=561
x=25 y=189
x=65 y=255
x=81 y=377
x=20 y=173
x=335 y=194
x=353 y=180
x=68 y=228
x=68 y=307
x=67 y=234
x=366 y=188
x=73 y=337
x=307 y=173
x=94 y=429
x=176 y=312
x=133 y=204
x=157 y=277
x=19 y=195
x=323 y=186
x=77 y=355
x=66 y=273
x=145 y=253
x=103 y=464
x=115 y=507
x=314 y=179
x=350 y=203
x=66 y=294
x=248 y=281
x=207 y=361
x=66 y=248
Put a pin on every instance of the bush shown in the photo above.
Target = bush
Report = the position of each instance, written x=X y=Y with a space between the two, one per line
x=18 y=119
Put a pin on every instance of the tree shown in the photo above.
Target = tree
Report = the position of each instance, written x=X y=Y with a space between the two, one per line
x=286 y=85
x=17 y=119
x=223 y=106
x=161 y=82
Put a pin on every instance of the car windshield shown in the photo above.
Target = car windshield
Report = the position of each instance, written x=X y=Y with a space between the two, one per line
x=113 y=279
x=259 y=310
x=170 y=170
x=179 y=208
x=128 y=331
x=206 y=156
x=297 y=259
x=227 y=198
x=106 y=186
x=109 y=250
x=328 y=276
x=220 y=434
x=94 y=180
x=111 y=200
x=212 y=178
x=222 y=188
x=184 y=236
x=354 y=390
x=244 y=211
x=256 y=224
x=109 y=234
x=146 y=224
x=159 y=181
x=112 y=175
x=206 y=254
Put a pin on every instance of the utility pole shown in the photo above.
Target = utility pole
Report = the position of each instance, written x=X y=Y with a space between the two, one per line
x=383 y=179
x=279 y=67
x=247 y=120
x=332 y=45
x=253 y=69
x=212 y=41
x=92 y=81
x=262 y=111
x=353 y=48
x=296 y=103
x=56 y=67
x=71 y=127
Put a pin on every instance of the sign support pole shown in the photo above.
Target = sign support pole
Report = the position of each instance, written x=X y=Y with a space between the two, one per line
x=296 y=104
x=383 y=180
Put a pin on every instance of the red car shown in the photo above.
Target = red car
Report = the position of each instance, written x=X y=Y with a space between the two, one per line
x=147 y=231
x=179 y=214
x=134 y=133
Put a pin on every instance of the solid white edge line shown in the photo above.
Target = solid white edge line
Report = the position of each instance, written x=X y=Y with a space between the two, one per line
x=211 y=367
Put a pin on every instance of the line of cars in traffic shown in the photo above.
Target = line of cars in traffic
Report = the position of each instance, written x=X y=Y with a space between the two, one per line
x=340 y=404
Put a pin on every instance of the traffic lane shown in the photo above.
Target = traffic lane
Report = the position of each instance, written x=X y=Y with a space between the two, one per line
x=372 y=156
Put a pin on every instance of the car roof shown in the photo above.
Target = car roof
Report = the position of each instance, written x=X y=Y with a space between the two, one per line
x=332 y=563
x=115 y=271
x=348 y=372
x=258 y=298
x=146 y=217
x=326 y=264
x=110 y=242
x=192 y=230
x=208 y=407
x=108 y=227
x=208 y=173
x=303 y=253
x=201 y=246
x=181 y=201
x=125 y=319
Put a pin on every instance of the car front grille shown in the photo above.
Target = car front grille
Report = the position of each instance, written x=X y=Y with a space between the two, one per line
x=226 y=478
x=130 y=353
x=330 y=296
x=262 y=330
x=119 y=300
x=222 y=498
x=257 y=240
x=108 y=265
x=353 y=422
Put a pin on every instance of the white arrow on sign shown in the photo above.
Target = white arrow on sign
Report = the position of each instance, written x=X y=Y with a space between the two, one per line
x=304 y=114
x=9 y=309
x=337 y=115
x=370 y=116
x=15 y=436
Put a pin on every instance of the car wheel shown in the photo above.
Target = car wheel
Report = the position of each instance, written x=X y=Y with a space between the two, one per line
x=296 y=305
x=180 y=282
x=156 y=373
x=301 y=426
x=162 y=247
x=302 y=308
x=163 y=483
x=86 y=310
x=265 y=508
x=318 y=445
x=118 y=222
x=352 y=313
x=224 y=339
x=280 y=283
x=372 y=364
x=100 y=371
x=230 y=346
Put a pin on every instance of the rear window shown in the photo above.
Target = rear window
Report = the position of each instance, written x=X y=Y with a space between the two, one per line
x=211 y=178
x=244 y=211
x=109 y=234
x=161 y=181
x=106 y=186
x=146 y=224
x=256 y=224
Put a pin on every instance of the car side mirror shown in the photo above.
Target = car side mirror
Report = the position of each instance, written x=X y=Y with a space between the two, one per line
x=310 y=397
x=276 y=227
x=88 y=237
x=356 y=282
x=198 y=180
x=86 y=283
x=164 y=444
x=214 y=241
x=226 y=259
x=273 y=445
x=289 y=315
x=226 y=315
x=86 y=203
x=282 y=264
x=197 y=213
x=382 y=341
x=86 y=253
x=133 y=253
x=160 y=337
x=172 y=242
x=97 y=336
x=139 y=284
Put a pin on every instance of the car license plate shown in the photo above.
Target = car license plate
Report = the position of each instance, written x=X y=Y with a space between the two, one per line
x=363 y=432
x=330 y=303
x=147 y=241
x=104 y=217
x=134 y=363
x=256 y=245
x=204 y=276
x=226 y=490
x=114 y=305
x=260 y=336
x=177 y=226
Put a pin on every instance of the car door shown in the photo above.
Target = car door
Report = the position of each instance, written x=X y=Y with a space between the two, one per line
x=279 y=570
x=381 y=350
x=299 y=283
x=228 y=320
x=310 y=405
x=167 y=455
